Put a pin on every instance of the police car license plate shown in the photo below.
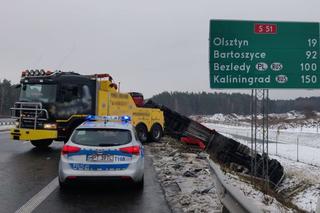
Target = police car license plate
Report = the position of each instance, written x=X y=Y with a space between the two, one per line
x=100 y=157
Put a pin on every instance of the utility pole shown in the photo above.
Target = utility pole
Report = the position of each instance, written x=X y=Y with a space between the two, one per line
x=298 y=149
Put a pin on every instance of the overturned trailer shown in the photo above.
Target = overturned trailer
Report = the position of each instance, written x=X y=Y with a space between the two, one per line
x=222 y=149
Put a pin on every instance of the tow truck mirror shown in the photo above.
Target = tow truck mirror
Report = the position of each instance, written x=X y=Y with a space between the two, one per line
x=24 y=87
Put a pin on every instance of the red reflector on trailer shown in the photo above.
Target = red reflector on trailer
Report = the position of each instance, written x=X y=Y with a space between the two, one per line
x=194 y=141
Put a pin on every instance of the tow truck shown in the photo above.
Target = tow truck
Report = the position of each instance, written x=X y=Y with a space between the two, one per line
x=52 y=104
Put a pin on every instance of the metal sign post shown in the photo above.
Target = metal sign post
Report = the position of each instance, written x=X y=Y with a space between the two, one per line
x=260 y=133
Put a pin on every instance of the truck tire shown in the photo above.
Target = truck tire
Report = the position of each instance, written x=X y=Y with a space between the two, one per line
x=156 y=133
x=42 y=144
x=142 y=132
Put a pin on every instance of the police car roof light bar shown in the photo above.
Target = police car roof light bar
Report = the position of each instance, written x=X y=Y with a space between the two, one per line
x=124 y=118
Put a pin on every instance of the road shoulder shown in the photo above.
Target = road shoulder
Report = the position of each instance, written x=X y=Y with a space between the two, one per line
x=185 y=177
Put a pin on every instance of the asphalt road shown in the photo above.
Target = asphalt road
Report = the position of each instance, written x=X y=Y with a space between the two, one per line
x=25 y=171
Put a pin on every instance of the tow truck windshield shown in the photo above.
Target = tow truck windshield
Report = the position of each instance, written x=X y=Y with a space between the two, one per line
x=45 y=93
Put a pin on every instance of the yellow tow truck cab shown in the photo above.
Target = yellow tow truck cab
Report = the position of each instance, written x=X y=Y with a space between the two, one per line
x=53 y=104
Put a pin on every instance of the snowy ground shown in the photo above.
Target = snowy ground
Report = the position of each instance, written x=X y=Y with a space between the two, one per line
x=264 y=202
x=292 y=119
x=297 y=149
x=302 y=183
x=294 y=145
x=185 y=176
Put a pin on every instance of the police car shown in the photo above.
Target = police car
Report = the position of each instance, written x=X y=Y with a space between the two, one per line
x=102 y=148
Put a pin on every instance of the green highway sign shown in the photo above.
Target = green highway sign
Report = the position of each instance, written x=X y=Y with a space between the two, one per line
x=260 y=54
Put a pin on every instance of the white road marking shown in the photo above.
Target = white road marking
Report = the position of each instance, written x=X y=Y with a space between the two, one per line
x=37 y=199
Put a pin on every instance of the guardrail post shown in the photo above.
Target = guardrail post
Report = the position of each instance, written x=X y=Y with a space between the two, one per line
x=298 y=149
x=4 y=123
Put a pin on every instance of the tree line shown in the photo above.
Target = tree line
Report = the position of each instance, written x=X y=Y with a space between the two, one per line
x=190 y=103
x=210 y=103
x=9 y=94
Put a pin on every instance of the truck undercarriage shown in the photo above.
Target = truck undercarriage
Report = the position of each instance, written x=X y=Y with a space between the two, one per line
x=221 y=149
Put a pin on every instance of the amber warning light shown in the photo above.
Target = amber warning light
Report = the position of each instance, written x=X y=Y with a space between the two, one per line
x=265 y=28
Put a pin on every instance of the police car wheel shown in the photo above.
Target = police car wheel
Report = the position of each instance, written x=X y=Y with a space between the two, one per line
x=156 y=133
x=142 y=133
x=42 y=144
x=63 y=186
x=139 y=185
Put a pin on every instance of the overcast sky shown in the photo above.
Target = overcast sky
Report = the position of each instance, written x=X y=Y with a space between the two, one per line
x=149 y=46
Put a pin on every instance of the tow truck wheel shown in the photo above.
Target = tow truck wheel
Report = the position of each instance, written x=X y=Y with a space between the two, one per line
x=156 y=133
x=42 y=144
x=142 y=132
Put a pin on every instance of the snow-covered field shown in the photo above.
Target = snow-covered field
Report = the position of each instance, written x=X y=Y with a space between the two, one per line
x=292 y=119
x=263 y=202
x=295 y=144
x=306 y=178
x=189 y=185
x=302 y=176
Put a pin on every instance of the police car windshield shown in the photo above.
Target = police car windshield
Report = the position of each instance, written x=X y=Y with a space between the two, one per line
x=101 y=137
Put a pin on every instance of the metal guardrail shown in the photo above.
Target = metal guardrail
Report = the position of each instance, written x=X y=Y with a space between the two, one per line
x=231 y=197
x=6 y=123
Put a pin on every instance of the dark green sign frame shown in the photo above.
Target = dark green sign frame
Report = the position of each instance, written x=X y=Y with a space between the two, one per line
x=260 y=54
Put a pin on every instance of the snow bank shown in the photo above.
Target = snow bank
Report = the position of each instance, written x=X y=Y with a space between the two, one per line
x=294 y=145
x=292 y=119
x=302 y=169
